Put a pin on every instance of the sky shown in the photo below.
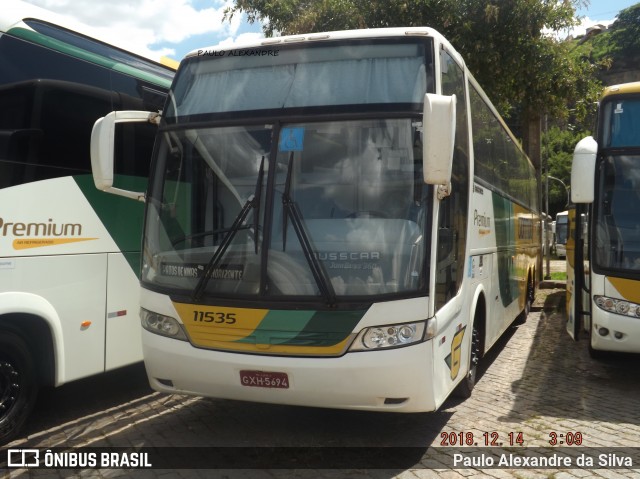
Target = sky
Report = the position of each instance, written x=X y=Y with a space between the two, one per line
x=173 y=28
x=601 y=11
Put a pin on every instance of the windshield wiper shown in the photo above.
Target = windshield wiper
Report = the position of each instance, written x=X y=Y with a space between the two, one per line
x=292 y=210
x=253 y=202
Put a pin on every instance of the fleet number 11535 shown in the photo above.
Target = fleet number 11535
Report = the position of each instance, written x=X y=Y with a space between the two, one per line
x=214 y=317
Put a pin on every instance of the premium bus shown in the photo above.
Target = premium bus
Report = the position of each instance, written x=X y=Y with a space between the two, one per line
x=603 y=253
x=69 y=254
x=337 y=219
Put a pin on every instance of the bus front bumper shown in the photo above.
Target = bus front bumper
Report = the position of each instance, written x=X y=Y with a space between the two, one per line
x=388 y=380
x=616 y=333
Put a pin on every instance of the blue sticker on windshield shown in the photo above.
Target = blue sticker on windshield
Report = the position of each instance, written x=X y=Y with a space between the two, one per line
x=291 y=139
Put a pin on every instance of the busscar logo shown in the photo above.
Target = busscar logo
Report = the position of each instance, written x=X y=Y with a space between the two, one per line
x=39 y=234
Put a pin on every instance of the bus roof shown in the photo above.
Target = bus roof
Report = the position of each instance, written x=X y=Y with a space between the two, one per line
x=13 y=14
x=623 y=88
x=16 y=16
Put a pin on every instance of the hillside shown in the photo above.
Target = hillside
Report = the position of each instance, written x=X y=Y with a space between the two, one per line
x=616 y=50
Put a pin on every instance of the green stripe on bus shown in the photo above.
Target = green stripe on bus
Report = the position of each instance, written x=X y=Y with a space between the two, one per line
x=77 y=52
x=304 y=328
x=505 y=235
x=122 y=217
x=280 y=327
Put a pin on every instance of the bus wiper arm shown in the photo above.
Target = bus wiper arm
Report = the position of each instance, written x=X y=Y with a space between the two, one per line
x=252 y=202
x=291 y=210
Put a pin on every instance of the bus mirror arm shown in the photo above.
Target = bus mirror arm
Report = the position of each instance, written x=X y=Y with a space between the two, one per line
x=583 y=170
x=103 y=149
x=439 y=132
x=443 y=191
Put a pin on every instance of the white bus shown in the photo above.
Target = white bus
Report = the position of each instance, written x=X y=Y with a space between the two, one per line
x=603 y=253
x=337 y=220
x=562 y=232
x=69 y=255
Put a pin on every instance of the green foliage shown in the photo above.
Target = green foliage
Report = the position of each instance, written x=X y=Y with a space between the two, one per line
x=625 y=32
x=523 y=71
x=557 y=147
x=619 y=44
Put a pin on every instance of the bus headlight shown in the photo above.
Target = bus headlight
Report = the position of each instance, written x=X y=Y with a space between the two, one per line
x=162 y=325
x=392 y=336
x=618 y=306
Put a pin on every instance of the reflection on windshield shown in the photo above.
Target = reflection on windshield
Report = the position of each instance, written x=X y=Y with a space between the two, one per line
x=335 y=73
x=341 y=211
x=562 y=230
x=617 y=227
x=622 y=123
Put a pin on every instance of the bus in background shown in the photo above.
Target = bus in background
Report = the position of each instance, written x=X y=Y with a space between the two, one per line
x=336 y=220
x=69 y=255
x=562 y=233
x=603 y=256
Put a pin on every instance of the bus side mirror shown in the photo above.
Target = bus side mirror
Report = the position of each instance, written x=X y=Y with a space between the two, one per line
x=583 y=171
x=439 y=127
x=103 y=149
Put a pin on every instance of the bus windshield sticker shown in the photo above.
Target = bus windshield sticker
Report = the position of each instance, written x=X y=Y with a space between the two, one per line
x=291 y=139
x=196 y=270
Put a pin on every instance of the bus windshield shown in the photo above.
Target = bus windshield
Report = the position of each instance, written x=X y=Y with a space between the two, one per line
x=617 y=241
x=397 y=71
x=279 y=208
x=621 y=123
x=617 y=235
x=562 y=228
x=338 y=211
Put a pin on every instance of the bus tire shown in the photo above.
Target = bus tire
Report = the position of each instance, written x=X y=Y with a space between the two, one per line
x=466 y=386
x=18 y=384
x=531 y=294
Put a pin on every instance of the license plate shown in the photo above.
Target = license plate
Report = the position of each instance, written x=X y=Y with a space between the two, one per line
x=264 y=379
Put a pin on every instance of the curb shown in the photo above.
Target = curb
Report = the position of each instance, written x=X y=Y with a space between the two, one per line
x=552 y=284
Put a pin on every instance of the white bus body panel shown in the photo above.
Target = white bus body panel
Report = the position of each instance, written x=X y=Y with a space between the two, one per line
x=123 y=342
x=484 y=265
x=359 y=380
x=74 y=286
x=356 y=380
x=60 y=269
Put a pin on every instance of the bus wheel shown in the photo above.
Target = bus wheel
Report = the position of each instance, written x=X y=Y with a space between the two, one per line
x=18 y=384
x=531 y=296
x=468 y=383
x=528 y=301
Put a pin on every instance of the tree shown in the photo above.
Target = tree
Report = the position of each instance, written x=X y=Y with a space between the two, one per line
x=525 y=72
x=557 y=147
x=626 y=31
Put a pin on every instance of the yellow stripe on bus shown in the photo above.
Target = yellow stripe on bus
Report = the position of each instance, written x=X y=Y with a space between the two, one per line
x=42 y=242
x=228 y=329
x=628 y=288
x=206 y=324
